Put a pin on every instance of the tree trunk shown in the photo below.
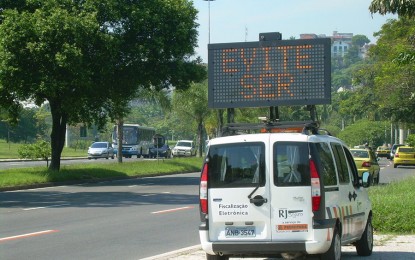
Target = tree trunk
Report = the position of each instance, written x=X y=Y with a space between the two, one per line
x=200 y=137
x=57 y=136
x=120 y=137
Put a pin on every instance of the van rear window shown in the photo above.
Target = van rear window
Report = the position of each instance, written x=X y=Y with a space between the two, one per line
x=291 y=164
x=236 y=165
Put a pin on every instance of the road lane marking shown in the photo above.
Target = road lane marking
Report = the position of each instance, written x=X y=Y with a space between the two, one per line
x=28 y=235
x=172 y=210
x=45 y=207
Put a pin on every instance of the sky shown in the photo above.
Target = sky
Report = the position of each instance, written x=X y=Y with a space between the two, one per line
x=243 y=20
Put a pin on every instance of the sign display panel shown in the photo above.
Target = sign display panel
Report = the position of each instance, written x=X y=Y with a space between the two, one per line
x=270 y=73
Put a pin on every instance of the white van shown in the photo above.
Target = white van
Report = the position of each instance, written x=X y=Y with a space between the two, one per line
x=291 y=194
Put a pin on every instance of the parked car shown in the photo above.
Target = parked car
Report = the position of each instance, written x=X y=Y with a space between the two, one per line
x=160 y=148
x=184 y=148
x=100 y=150
x=366 y=161
x=292 y=194
x=405 y=155
x=383 y=151
x=161 y=151
x=393 y=150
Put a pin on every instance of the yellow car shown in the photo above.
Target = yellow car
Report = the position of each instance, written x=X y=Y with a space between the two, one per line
x=383 y=151
x=366 y=161
x=404 y=155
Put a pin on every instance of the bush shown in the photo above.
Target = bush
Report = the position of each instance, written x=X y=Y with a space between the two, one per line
x=41 y=149
x=411 y=140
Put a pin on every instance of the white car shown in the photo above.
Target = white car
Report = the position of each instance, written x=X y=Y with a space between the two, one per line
x=100 y=150
x=293 y=194
x=184 y=148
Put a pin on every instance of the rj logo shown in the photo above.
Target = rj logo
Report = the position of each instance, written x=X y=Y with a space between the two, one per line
x=283 y=213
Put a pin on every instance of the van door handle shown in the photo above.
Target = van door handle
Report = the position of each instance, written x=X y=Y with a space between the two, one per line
x=258 y=200
x=352 y=196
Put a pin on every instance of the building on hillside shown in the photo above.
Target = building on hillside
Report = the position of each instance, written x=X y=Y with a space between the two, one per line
x=340 y=42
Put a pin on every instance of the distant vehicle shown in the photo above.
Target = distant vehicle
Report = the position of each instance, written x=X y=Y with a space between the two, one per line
x=383 y=151
x=393 y=150
x=366 y=161
x=405 y=155
x=100 y=150
x=137 y=140
x=160 y=148
x=184 y=148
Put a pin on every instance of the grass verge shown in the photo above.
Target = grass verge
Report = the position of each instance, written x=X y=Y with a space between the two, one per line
x=393 y=207
x=94 y=171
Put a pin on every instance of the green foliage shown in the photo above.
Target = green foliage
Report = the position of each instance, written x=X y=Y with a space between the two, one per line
x=411 y=140
x=88 y=58
x=365 y=131
x=394 y=80
x=393 y=207
x=402 y=8
x=86 y=172
x=40 y=149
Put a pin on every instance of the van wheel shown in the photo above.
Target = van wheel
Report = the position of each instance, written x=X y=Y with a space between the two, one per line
x=364 y=246
x=216 y=257
x=335 y=250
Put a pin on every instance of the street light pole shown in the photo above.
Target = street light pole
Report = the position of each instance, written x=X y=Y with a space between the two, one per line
x=209 y=15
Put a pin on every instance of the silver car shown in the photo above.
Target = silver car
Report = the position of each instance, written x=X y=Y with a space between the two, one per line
x=100 y=150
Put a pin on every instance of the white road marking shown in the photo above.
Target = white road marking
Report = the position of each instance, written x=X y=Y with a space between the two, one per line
x=172 y=210
x=28 y=235
x=45 y=207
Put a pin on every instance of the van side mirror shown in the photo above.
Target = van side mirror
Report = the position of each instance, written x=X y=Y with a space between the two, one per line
x=365 y=179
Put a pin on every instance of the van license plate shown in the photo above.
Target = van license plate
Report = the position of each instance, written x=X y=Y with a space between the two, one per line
x=240 y=232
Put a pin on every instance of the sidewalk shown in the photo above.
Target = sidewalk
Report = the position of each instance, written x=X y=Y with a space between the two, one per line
x=386 y=247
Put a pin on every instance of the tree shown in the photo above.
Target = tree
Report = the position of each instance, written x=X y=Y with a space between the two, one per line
x=372 y=132
x=88 y=58
x=402 y=7
x=193 y=104
x=394 y=81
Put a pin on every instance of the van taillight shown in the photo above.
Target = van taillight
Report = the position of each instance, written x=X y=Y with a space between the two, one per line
x=396 y=154
x=315 y=186
x=203 y=190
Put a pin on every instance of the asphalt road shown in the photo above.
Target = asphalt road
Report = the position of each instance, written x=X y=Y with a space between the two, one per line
x=128 y=219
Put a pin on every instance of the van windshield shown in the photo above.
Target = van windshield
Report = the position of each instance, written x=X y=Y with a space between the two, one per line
x=236 y=165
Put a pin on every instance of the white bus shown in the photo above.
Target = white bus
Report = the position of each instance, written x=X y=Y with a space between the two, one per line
x=137 y=140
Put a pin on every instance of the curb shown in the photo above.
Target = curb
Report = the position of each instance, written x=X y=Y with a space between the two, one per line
x=183 y=251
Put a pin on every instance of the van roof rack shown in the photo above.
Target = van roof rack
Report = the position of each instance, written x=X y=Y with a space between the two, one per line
x=304 y=127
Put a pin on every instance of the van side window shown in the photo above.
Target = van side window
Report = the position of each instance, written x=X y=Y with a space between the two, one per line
x=236 y=165
x=352 y=164
x=291 y=164
x=327 y=169
x=341 y=163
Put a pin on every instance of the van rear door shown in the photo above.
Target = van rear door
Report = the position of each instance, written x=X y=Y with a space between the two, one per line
x=238 y=197
x=291 y=200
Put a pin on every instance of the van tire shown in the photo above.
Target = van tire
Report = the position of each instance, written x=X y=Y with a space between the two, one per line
x=364 y=246
x=216 y=257
x=335 y=250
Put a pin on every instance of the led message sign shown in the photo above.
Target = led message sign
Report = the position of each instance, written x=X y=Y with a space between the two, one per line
x=269 y=73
